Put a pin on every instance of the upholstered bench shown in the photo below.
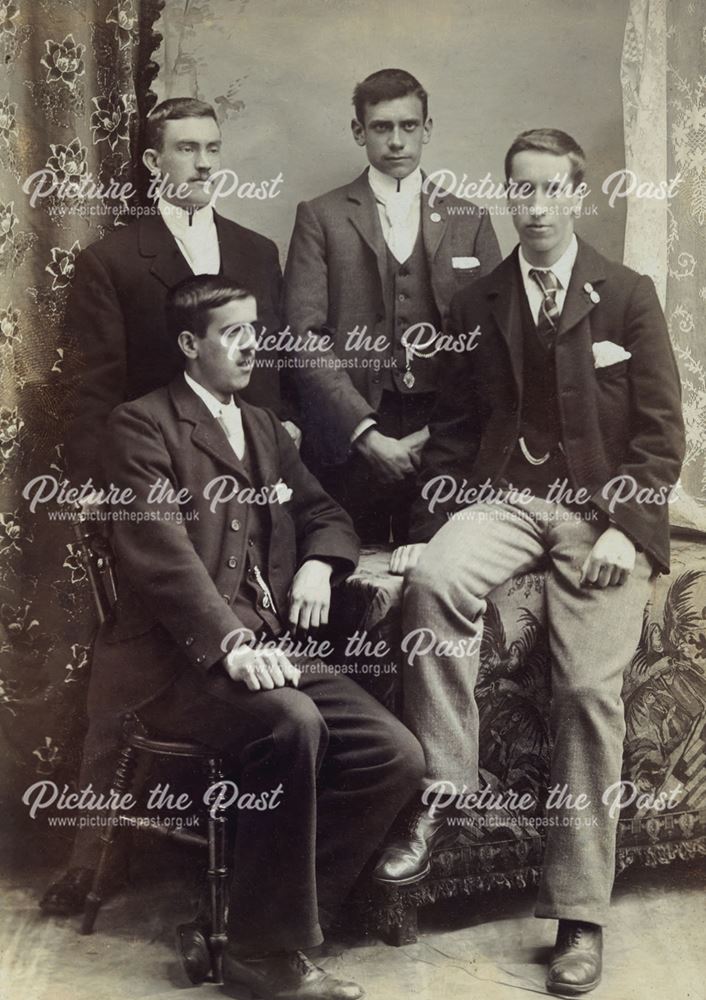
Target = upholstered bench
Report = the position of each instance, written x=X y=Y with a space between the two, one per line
x=665 y=744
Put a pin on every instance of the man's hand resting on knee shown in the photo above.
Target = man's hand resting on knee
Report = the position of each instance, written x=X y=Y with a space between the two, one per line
x=405 y=558
x=261 y=669
x=610 y=561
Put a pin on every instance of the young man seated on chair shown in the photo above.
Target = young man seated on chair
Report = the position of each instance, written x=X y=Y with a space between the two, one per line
x=202 y=563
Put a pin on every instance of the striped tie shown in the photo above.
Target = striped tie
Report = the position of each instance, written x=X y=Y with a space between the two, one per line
x=548 y=319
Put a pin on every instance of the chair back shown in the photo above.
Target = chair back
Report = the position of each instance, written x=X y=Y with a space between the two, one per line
x=99 y=561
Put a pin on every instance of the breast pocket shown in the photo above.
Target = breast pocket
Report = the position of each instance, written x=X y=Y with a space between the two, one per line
x=610 y=372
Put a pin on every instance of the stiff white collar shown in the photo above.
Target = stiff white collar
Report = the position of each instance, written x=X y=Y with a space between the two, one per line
x=385 y=187
x=215 y=406
x=177 y=218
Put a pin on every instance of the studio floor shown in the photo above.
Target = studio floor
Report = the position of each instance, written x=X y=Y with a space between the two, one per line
x=491 y=948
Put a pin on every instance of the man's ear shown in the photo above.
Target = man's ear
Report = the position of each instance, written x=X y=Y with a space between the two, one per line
x=188 y=344
x=428 y=126
x=358 y=131
x=150 y=158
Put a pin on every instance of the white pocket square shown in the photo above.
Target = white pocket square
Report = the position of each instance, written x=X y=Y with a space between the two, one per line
x=465 y=263
x=606 y=353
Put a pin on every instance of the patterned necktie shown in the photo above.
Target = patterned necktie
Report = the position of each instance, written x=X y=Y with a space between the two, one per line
x=231 y=420
x=548 y=319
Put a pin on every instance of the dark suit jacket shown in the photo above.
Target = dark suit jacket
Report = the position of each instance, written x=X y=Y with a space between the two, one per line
x=335 y=280
x=621 y=420
x=115 y=314
x=178 y=580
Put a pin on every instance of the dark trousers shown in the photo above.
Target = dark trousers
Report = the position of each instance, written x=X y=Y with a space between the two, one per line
x=346 y=767
x=380 y=511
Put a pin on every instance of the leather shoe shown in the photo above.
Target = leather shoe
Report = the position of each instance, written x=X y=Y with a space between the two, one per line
x=408 y=860
x=577 y=960
x=66 y=897
x=286 y=975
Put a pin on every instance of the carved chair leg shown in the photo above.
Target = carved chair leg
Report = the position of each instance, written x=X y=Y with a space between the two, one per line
x=404 y=932
x=122 y=784
x=218 y=877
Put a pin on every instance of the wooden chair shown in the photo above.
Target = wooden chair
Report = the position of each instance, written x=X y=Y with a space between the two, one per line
x=201 y=941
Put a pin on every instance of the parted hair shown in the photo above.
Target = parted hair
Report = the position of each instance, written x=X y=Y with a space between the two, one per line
x=387 y=85
x=189 y=302
x=548 y=140
x=172 y=110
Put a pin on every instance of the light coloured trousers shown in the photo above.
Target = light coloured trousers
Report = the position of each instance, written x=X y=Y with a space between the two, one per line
x=593 y=634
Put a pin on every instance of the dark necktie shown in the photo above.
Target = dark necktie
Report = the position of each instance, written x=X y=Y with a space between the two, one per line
x=548 y=319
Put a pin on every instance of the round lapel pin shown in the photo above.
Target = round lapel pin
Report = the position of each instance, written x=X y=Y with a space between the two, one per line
x=591 y=292
x=435 y=217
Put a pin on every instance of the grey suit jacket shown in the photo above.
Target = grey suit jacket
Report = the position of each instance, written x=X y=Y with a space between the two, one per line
x=335 y=282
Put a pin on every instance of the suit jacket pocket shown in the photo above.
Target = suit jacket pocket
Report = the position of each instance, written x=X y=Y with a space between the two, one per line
x=611 y=371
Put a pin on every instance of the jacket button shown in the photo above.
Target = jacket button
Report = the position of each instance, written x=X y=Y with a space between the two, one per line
x=200 y=659
x=250 y=542
x=189 y=641
x=376 y=379
x=226 y=597
x=235 y=524
x=232 y=562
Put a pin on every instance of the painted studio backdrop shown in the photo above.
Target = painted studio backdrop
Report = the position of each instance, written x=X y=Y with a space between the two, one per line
x=628 y=79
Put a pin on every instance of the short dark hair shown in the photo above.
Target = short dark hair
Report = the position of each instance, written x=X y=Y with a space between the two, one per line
x=189 y=302
x=387 y=85
x=548 y=140
x=170 y=111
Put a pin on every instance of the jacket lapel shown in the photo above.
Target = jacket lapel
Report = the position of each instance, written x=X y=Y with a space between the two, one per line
x=260 y=444
x=589 y=270
x=167 y=262
x=207 y=435
x=234 y=257
x=434 y=222
x=504 y=294
x=363 y=214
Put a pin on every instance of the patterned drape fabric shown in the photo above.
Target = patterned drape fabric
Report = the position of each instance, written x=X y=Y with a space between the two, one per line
x=664 y=98
x=67 y=130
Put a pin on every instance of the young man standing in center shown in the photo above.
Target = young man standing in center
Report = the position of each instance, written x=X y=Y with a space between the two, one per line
x=373 y=266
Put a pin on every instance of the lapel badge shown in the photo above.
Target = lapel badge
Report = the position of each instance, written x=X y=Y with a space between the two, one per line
x=435 y=217
x=591 y=292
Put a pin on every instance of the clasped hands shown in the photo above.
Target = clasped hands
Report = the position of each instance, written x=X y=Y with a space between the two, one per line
x=309 y=603
x=392 y=459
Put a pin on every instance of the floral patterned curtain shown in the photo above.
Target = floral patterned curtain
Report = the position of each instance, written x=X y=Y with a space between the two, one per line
x=664 y=96
x=68 y=110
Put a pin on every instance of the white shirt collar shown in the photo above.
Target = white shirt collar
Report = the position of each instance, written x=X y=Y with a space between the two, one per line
x=561 y=268
x=214 y=405
x=177 y=218
x=385 y=187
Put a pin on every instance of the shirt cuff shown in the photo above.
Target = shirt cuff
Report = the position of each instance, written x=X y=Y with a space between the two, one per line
x=362 y=427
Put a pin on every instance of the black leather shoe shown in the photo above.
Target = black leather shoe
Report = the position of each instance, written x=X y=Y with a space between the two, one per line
x=286 y=975
x=408 y=859
x=577 y=960
x=66 y=897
